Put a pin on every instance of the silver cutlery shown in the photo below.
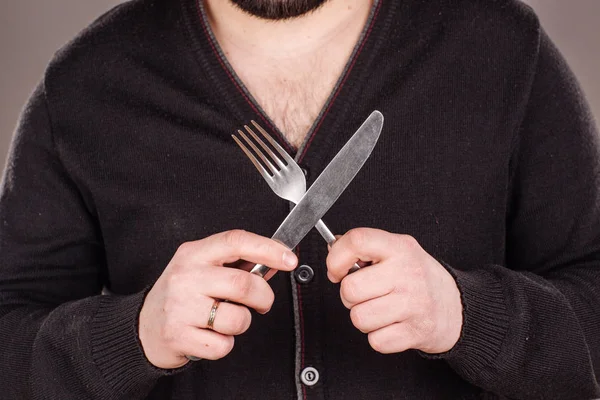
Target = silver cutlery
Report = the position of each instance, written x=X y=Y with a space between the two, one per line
x=288 y=181
x=286 y=178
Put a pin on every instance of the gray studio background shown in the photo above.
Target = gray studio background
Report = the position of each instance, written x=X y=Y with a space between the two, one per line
x=31 y=30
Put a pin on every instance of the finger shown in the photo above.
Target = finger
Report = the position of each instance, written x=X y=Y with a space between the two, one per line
x=203 y=343
x=336 y=238
x=235 y=285
x=230 y=319
x=379 y=313
x=394 y=338
x=230 y=246
x=368 y=283
x=364 y=244
x=361 y=264
x=269 y=275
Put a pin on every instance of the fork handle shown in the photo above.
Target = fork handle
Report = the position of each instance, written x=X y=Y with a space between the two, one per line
x=330 y=239
x=325 y=232
x=260 y=270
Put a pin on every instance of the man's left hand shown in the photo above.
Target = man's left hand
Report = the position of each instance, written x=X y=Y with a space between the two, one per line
x=404 y=300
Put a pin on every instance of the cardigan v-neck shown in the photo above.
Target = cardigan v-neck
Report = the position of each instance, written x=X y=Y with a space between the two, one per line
x=242 y=102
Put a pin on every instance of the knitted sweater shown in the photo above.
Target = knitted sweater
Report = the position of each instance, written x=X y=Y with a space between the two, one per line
x=489 y=157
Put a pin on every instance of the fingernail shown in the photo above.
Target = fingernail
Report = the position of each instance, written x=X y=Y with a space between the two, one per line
x=290 y=259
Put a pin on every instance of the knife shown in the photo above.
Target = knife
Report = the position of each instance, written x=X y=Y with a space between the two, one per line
x=328 y=187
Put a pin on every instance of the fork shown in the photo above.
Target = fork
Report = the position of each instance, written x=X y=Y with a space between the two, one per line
x=287 y=179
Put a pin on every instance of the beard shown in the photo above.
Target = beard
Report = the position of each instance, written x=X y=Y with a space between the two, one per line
x=278 y=9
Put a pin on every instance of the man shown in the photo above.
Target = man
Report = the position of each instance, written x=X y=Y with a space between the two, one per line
x=478 y=212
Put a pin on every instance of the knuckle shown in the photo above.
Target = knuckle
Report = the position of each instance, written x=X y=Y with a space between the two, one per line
x=421 y=330
x=234 y=238
x=185 y=250
x=357 y=237
x=264 y=297
x=358 y=318
x=242 y=323
x=408 y=242
x=427 y=327
x=348 y=289
x=223 y=346
x=269 y=298
x=376 y=343
x=241 y=283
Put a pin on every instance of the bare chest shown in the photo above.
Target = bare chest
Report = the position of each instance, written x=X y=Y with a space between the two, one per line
x=292 y=97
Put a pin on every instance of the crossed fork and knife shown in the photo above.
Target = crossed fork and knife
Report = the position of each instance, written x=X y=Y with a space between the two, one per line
x=287 y=180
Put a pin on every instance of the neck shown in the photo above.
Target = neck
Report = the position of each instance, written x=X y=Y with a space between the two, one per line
x=293 y=38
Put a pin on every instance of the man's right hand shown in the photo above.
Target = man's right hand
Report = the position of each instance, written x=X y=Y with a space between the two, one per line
x=173 y=320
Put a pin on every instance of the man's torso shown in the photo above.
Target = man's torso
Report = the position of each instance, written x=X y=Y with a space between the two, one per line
x=148 y=141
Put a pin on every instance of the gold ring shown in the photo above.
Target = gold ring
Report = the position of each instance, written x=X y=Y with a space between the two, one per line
x=213 y=315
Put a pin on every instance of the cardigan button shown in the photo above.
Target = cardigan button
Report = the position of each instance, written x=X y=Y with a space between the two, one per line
x=304 y=274
x=309 y=376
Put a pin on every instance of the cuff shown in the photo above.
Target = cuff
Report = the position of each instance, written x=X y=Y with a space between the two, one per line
x=116 y=348
x=485 y=322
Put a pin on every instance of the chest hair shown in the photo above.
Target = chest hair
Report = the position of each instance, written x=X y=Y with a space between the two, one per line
x=293 y=96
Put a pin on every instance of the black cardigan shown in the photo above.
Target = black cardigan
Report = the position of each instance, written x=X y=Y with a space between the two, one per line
x=489 y=157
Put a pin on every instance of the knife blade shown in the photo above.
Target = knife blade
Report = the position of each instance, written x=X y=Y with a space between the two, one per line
x=328 y=187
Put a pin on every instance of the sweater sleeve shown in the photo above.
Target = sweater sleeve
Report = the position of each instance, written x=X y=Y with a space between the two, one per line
x=60 y=338
x=532 y=327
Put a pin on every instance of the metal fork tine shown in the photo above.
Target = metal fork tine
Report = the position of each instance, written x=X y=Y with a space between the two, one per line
x=259 y=153
x=276 y=145
x=264 y=146
x=257 y=164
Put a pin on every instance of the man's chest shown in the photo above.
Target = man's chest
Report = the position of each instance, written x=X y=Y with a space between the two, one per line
x=293 y=96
